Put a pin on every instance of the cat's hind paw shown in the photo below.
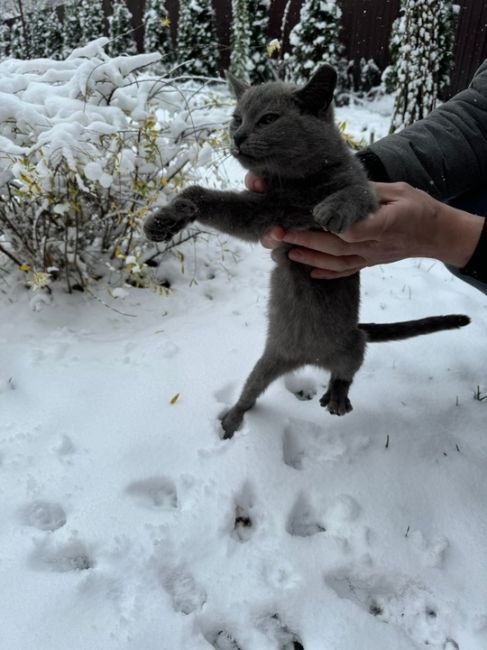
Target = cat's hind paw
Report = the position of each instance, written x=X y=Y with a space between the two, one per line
x=336 y=405
x=231 y=422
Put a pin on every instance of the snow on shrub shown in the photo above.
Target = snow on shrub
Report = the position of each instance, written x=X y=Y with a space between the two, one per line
x=87 y=146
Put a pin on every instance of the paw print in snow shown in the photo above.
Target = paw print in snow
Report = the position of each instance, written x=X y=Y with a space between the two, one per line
x=279 y=633
x=303 y=520
x=401 y=602
x=244 y=520
x=432 y=553
x=73 y=555
x=186 y=594
x=44 y=515
x=156 y=493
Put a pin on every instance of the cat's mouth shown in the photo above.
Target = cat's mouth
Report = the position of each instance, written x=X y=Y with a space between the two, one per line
x=250 y=161
x=241 y=155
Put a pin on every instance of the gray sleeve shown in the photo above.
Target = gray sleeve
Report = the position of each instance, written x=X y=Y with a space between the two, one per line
x=444 y=154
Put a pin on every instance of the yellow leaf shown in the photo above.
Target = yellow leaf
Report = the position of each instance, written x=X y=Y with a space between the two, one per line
x=165 y=22
x=174 y=399
x=273 y=47
x=24 y=267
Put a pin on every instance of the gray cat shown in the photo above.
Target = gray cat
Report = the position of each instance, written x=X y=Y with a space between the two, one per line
x=286 y=135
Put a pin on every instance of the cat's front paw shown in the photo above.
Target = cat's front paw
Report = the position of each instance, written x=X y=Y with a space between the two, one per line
x=335 y=215
x=169 y=220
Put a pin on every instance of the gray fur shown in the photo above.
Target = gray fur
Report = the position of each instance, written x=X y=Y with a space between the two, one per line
x=287 y=136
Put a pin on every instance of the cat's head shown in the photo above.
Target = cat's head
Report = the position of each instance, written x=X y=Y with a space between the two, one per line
x=283 y=129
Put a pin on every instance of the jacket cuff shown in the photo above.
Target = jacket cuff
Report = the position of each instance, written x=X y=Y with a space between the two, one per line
x=476 y=267
x=373 y=166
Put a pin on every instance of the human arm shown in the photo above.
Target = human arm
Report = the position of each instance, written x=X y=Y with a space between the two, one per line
x=445 y=154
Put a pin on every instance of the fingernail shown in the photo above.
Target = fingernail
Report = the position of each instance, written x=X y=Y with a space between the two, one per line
x=295 y=255
x=276 y=236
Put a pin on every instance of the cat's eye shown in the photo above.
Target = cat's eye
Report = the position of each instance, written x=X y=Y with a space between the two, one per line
x=236 y=119
x=268 y=118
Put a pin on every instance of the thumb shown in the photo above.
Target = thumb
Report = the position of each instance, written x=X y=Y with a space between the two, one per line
x=369 y=229
x=254 y=183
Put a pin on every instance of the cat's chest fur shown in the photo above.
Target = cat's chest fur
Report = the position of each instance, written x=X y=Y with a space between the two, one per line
x=308 y=306
x=310 y=310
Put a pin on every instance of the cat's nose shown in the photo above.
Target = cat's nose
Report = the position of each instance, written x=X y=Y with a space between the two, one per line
x=239 y=138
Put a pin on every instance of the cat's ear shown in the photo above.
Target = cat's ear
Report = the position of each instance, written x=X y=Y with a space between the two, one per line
x=236 y=86
x=317 y=94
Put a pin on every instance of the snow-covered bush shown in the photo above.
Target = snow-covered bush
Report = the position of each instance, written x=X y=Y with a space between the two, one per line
x=83 y=22
x=197 y=43
x=316 y=40
x=37 y=34
x=157 y=31
x=120 y=30
x=369 y=76
x=19 y=39
x=4 y=40
x=250 y=60
x=389 y=75
x=87 y=146
x=447 y=13
x=240 y=35
x=423 y=58
x=260 y=65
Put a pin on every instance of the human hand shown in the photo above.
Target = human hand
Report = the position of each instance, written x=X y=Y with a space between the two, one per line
x=399 y=229
x=408 y=223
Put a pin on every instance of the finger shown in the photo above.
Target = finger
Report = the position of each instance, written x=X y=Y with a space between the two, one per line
x=321 y=274
x=369 y=229
x=316 y=240
x=254 y=183
x=272 y=237
x=389 y=191
x=325 y=261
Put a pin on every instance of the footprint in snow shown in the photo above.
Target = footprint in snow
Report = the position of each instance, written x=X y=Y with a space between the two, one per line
x=293 y=448
x=70 y=556
x=6 y=385
x=222 y=640
x=401 y=602
x=64 y=447
x=168 y=349
x=305 y=442
x=186 y=594
x=303 y=520
x=432 y=552
x=343 y=509
x=226 y=394
x=44 y=515
x=156 y=493
x=244 y=520
x=280 y=634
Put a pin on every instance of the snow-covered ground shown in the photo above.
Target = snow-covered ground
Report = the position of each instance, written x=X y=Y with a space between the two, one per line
x=126 y=523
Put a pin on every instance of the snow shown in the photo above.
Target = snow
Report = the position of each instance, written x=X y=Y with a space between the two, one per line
x=128 y=524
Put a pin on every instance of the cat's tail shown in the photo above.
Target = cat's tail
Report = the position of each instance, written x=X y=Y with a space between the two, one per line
x=378 y=332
